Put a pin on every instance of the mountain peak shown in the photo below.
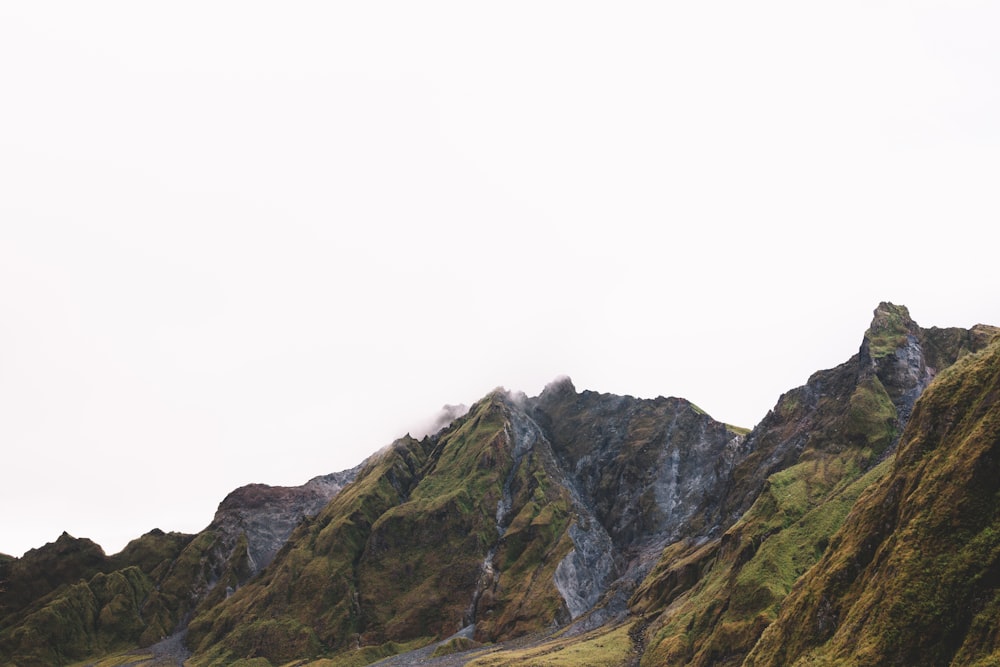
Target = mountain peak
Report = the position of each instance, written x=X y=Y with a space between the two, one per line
x=561 y=385
x=889 y=315
x=890 y=327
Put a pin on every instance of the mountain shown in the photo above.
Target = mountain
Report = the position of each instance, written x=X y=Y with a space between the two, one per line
x=583 y=528
x=913 y=576
x=708 y=600
x=68 y=601
x=522 y=516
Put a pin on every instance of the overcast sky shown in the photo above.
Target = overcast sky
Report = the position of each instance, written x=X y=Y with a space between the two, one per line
x=255 y=242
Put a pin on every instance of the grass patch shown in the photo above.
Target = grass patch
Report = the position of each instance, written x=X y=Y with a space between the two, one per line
x=369 y=654
x=602 y=648
x=889 y=330
x=456 y=645
x=118 y=659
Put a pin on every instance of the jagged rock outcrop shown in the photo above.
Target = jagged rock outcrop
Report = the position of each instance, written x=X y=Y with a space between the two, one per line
x=863 y=403
x=651 y=469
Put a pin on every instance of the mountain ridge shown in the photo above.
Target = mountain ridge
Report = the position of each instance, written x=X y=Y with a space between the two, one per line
x=642 y=530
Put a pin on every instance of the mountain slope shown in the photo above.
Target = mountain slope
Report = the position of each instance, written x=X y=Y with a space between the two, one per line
x=488 y=525
x=913 y=578
x=68 y=601
x=708 y=601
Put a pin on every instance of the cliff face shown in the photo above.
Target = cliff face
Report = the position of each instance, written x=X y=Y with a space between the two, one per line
x=266 y=515
x=643 y=530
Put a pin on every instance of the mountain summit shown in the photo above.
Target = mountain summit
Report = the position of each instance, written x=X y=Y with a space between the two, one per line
x=574 y=528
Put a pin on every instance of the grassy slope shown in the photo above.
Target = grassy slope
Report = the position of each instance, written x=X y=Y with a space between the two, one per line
x=307 y=599
x=605 y=647
x=396 y=557
x=94 y=603
x=708 y=603
x=912 y=578
x=722 y=595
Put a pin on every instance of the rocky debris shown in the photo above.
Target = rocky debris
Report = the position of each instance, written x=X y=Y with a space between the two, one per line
x=170 y=652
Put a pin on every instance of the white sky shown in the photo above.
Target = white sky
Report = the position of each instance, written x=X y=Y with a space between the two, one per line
x=245 y=241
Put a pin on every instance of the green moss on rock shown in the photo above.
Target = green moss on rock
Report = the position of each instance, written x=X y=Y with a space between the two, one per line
x=912 y=577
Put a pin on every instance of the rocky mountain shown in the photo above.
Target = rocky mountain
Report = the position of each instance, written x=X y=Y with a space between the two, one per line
x=67 y=600
x=711 y=596
x=586 y=528
x=913 y=576
x=522 y=516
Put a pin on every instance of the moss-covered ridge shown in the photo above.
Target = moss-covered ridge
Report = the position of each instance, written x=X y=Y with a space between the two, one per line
x=707 y=602
x=54 y=602
x=90 y=603
x=411 y=550
x=913 y=577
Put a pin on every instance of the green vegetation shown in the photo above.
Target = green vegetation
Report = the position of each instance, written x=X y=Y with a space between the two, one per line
x=845 y=551
x=738 y=430
x=708 y=604
x=87 y=619
x=911 y=578
x=365 y=655
x=889 y=330
x=120 y=659
x=871 y=417
x=606 y=647
x=312 y=586
x=525 y=598
x=742 y=580
x=397 y=556
x=456 y=645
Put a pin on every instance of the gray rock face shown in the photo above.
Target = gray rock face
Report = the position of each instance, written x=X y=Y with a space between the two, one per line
x=642 y=474
x=269 y=514
x=650 y=469
x=895 y=352
x=582 y=577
